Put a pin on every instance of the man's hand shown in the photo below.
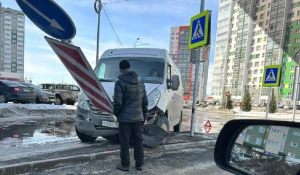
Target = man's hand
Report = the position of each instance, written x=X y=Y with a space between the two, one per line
x=145 y=122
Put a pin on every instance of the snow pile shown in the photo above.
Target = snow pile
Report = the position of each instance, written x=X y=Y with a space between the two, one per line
x=36 y=112
x=35 y=106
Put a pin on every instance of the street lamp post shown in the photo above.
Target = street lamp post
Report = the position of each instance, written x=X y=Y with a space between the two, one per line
x=136 y=42
x=98 y=7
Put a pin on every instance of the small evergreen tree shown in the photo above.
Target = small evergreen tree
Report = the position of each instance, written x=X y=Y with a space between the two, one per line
x=273 y=103
x=229 y=102
x=246 y=103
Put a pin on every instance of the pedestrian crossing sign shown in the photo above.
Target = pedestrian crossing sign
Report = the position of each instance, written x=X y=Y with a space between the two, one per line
x=199 y=34
x=271 y=76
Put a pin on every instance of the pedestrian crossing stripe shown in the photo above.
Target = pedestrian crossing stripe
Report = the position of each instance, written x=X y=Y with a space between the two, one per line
x=271 y=76
x=198 y=32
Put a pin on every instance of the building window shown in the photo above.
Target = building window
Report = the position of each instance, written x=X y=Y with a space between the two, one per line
x=255 y=71
x=243 y=134
x=291 y=154
x=297 y=40
x=258 y=48
x=274 y=143
x=296 y=49
x=291 y=77
x=256 y=63
x=290 y=85
x=293 y=144
x=296 y=133
x=247 y=138
x=262 y=16
x=259 y=40
x=258 y=141
x=261 y=129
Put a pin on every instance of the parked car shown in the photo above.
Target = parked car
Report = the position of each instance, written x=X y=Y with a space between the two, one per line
x=64 y=93
x=288 y=107
x=41 y=96
x=12 y=91
x=280 y=106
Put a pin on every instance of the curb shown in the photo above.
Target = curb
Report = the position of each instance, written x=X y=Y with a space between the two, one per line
x=22 y=168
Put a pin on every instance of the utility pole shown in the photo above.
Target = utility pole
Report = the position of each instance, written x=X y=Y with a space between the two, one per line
x=98 y=7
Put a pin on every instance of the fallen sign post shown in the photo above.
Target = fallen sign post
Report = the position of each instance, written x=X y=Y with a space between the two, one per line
x=76 y=63
x=271 y=78
x=78 y=66
x=199 y=35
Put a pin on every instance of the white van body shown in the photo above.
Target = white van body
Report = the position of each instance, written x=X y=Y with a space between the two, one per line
x=162 y=99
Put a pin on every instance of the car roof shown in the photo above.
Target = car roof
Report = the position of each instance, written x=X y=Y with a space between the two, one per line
x=8 y=81
x=57 y=84
x=135 y=52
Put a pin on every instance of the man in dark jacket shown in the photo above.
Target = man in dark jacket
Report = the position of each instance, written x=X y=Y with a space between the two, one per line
x=130 y=108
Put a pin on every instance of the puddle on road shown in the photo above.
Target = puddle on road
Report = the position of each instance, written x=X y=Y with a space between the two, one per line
x=33 y=133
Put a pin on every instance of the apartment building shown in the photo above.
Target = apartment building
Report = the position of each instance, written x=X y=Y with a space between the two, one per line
x=181 y=55
x=252 y=34
x=261 y=141
x=12 y=34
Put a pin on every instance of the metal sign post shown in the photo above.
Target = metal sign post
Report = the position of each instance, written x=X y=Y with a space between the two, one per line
x=268 y=104
x=295 y=93
x=98 y=7
x=199 y=36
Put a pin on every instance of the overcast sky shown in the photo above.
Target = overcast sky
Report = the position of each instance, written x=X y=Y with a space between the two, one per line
x=150 y=20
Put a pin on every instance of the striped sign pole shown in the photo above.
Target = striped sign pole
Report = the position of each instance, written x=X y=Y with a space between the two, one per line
x=78 y=66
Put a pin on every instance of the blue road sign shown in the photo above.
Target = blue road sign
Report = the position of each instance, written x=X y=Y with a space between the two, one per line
x=272 y=76
x=49 y=17
x=199 y=30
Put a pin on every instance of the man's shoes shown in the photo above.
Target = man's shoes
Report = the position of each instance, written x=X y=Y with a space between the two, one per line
x=122 y=168
x=139 y=168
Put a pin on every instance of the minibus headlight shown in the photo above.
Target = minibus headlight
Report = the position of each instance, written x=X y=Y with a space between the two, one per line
x=82 y=101
x=153 y=98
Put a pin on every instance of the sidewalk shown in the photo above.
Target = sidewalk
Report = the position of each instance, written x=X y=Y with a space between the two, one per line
x=39 y=162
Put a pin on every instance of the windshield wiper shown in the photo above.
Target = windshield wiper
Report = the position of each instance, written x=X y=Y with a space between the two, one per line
x=105 y=80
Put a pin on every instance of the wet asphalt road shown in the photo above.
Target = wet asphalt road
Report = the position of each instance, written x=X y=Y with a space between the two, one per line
x=27 y=140
x=184 y=162
x=33 y=133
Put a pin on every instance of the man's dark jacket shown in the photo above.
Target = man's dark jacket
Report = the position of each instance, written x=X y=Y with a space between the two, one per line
x=130 y=98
